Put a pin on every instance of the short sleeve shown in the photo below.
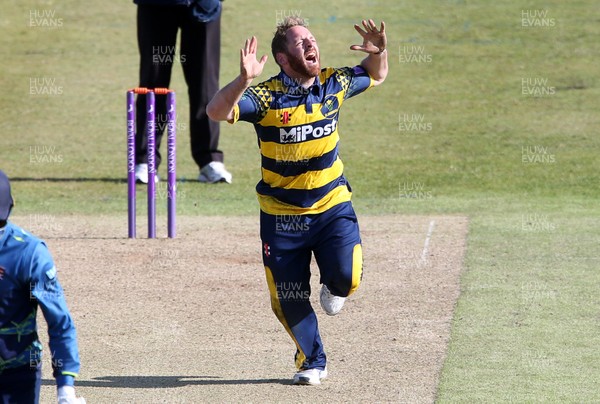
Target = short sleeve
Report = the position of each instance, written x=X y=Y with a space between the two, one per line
x=253 y=105
x=354 y=80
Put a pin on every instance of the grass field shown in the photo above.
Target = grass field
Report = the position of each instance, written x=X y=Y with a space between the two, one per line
x=489 y=111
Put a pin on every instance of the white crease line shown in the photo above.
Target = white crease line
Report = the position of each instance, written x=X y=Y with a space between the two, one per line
x=426 y=245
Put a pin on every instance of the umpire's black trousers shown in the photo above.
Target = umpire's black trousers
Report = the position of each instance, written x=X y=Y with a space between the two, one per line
x=199 y=55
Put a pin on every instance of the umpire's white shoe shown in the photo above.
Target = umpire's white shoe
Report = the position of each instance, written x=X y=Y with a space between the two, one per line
x=331 y=303
x=214 y=172
x=141 y=174
x=310 y=377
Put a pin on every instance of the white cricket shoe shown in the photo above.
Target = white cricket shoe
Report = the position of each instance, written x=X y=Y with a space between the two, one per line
x=330 y=303
x=141 y=174
x=214 y=172
x=66 y=395
x=310 y=377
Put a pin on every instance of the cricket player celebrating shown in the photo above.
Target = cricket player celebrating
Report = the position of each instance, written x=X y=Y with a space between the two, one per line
x=303 y=195
x=28 y=280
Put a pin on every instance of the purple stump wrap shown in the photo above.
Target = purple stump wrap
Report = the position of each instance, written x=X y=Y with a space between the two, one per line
x=171 y=164
x=151 y=135
x=131 y=201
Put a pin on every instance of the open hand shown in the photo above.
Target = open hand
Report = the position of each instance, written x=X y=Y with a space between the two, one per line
x=374 y=40
x=250 y=67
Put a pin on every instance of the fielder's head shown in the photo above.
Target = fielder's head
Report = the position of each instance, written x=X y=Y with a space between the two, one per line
x=295 y=49
x=6 y=200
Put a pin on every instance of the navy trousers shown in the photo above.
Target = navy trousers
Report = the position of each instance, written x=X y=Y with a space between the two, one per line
x=289 y=241
x=21 y=385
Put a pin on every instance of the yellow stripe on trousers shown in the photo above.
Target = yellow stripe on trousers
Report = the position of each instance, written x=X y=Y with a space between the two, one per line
x=276 y=306
x=357 y=268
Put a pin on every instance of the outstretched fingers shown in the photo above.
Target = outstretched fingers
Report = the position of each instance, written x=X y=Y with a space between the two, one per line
x=253 y=44
x=360 y=30
x=250 y=66
x=370 y=26
x=373 y=37
x=250 y=46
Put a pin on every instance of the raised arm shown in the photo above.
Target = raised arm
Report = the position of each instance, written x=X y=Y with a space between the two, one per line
x=374 y=43
x=220 y=108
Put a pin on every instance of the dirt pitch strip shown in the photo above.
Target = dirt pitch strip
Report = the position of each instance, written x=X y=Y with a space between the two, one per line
x=188 y=320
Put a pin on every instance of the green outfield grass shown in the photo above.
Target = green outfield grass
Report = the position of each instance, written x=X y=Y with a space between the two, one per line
x=523 y=167
x=527 y=319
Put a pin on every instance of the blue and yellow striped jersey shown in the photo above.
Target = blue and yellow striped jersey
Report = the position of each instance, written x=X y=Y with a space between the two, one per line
x=298 y=138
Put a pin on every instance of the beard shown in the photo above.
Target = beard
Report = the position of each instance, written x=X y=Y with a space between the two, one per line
x=299 y=65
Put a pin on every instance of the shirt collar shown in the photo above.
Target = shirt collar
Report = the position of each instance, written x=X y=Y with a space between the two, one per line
x=291 y=86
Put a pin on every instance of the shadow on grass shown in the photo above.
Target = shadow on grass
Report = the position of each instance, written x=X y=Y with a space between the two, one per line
x=153 y=382
x=90 y=179
x=74 y=179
